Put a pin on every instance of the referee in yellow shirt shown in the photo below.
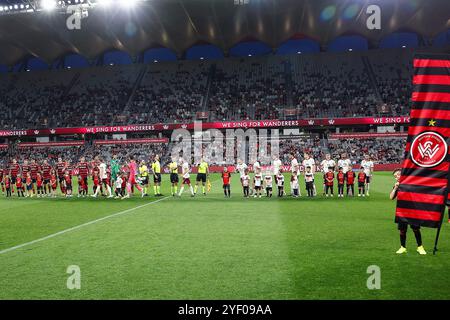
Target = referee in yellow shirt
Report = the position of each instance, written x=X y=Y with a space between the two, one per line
x=156 y=168
x=203 y=171
x=173 y=169
x=143 y=173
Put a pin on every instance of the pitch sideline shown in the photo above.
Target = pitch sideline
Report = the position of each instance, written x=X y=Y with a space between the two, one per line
x=79 y=226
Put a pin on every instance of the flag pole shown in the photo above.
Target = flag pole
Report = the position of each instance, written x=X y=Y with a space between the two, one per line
x=442 y=217
x=437 y=238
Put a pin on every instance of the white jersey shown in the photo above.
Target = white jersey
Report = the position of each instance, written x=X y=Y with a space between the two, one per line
x=258 y=180
x=256 y=166
x=309 y=177
x=344 y=164
x=295 y=185
x=241 y=169
x=294 y=166
x=268 y=180
x=186 y=170
x=368 y=167
x=276 y=166
x=326 y=164
x=309 y=163
x=280 y=180
x=245 y=180
x=102 y=169
x=119 y=183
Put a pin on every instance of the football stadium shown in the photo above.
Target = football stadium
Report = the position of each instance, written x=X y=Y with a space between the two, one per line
x=224 y=150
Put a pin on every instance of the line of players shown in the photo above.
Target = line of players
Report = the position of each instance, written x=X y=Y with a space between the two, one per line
x=345 y=177
x=42 y=180
x=30 y=179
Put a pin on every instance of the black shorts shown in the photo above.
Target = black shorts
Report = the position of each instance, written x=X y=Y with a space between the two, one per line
x=69 y=187
x=403 y=226
x=13 y=180
x=174 y=178
x=258 y=188
x=33 y=180
x=157 y=178
x=46 y=181
x=368 y=179
x=226 y=186
x=61 y=179
x=144 y=180
x=269 y=188
x=201 y=177
x=361 y=184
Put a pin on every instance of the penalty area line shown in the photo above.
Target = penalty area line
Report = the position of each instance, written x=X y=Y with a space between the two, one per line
x=79 y=226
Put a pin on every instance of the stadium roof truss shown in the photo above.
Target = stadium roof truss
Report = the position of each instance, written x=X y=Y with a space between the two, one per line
x=180 y=24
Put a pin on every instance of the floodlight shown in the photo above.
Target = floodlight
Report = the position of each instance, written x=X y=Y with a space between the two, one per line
x=48 y=4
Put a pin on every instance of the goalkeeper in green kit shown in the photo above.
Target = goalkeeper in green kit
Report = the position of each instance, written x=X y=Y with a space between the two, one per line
x=115 y=169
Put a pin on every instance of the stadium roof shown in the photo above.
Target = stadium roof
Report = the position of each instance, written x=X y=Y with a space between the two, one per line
x=180 y=24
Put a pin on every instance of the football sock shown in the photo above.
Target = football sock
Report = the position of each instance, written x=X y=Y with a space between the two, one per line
x=418 y=237
x=203 y=189
x=175 y=188
x=195 y=189
x=154 y=190
x=403 y=238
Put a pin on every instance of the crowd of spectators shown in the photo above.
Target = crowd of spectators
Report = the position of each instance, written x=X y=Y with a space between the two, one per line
x=381 y=150
x=253 y=88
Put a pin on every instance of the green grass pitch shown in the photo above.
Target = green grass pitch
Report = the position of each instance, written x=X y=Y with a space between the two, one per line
x=216 y=248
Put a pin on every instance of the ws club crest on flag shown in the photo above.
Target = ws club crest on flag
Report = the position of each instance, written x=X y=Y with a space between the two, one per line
x=423 y=190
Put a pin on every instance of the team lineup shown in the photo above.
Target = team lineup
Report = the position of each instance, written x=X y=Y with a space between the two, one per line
x=119 y=180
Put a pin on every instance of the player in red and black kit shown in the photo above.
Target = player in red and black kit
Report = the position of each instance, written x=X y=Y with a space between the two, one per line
x=46 y=175
x=35 y=168
x=53 y=182
x=60 y=171
x=25 y=169
x=350 y=181
x=361 y=183
x=329 y=181
x=19 y=186
x=7 y=180
x=83 y=172
x=68 y=183
x=14 y=170
x=2 y=174
x=226 y=175
x=341 y=180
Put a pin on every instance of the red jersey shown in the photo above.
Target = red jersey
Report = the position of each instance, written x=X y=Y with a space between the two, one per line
x=61 y=168
x=350 y=176
x=124 y=182
x=53 y=181
x=96 y=180
x=28 y=181
x=68 y=179
x=39 y=181
x=2 y=172
x=14 y=169
x=329 y=178
x=361 y=177
x=34 y=168
x=25 y=169
x=226 y=177
x=340 y=177
x=46 y=171
x=81 y=183
x=19 y=183
x=83 y=168
x=7 y=183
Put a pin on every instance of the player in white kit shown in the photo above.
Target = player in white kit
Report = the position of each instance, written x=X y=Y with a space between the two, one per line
x=367 y=164
x=186 y=174
x=295 y=171
x=308 y=161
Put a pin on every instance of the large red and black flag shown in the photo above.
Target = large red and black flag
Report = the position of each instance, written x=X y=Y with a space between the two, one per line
x=424 y=178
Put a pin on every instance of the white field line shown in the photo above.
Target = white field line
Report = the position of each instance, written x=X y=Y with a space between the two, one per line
x=79 y=226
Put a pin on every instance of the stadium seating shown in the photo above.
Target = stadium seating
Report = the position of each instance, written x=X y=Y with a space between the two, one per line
x=314 y=85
